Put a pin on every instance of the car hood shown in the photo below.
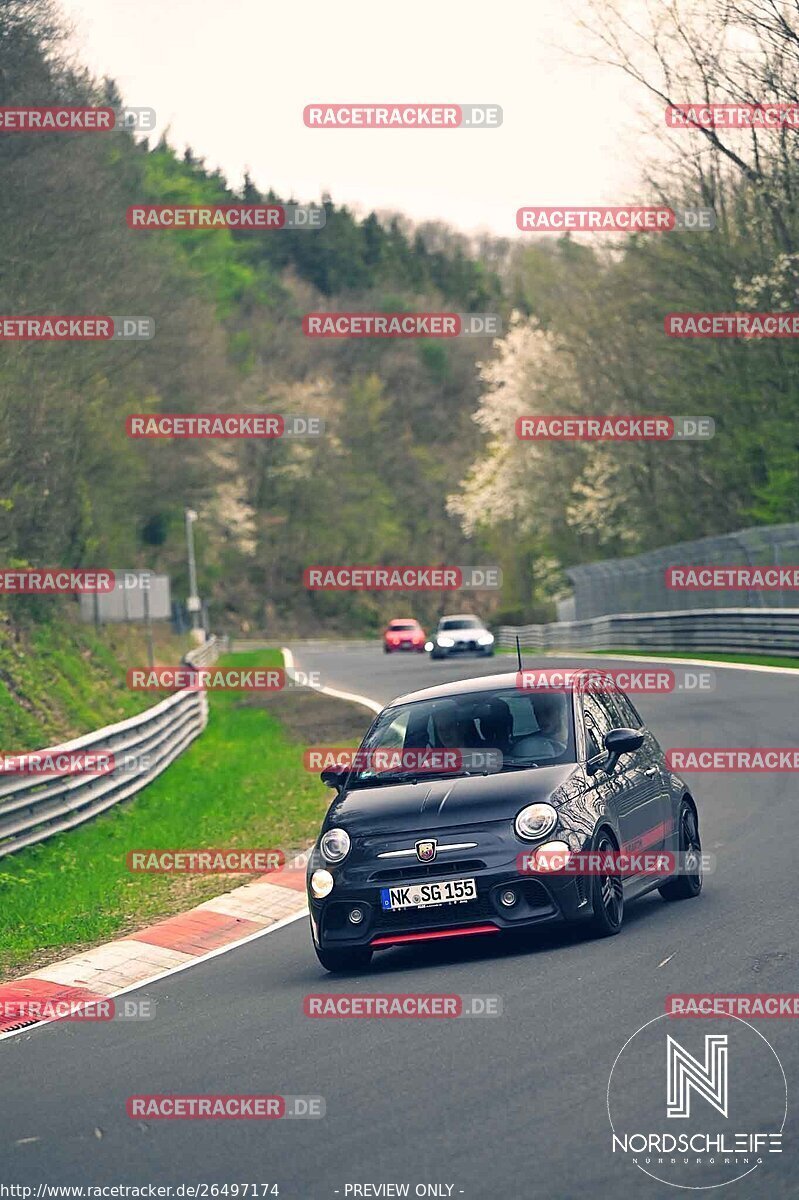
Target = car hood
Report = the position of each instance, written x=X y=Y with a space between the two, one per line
x=461 y=635
x=438 y=803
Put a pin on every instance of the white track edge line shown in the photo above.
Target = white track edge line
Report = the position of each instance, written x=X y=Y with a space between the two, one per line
x=692 y=662
x=132 y=987
x=288 y=659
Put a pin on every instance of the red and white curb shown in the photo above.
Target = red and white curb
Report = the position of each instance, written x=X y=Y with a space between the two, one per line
x=241 y=915
x=174 y=944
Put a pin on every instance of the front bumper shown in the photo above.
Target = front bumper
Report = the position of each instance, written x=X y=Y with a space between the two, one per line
x=471 y=647
x=540 y=899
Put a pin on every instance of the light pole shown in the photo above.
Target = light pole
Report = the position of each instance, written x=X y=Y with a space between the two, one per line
x=193 y=601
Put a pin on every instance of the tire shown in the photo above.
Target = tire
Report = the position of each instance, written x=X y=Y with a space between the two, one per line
x=436 y=654
x=607 y=895
x=686 y=887
x=386 y=650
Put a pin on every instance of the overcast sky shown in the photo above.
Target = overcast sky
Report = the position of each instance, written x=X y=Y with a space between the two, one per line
x=230 y=78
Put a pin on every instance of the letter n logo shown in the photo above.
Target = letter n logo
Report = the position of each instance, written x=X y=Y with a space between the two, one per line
x=708 y=1079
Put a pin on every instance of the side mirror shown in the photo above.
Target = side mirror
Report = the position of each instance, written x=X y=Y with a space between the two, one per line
x=334 y=776
x=618 y=742
x=623 y=741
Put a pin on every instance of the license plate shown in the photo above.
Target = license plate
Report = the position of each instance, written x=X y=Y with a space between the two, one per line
x=426 y=895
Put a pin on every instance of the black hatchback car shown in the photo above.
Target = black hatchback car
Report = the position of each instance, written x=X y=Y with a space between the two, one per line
x=462 y=796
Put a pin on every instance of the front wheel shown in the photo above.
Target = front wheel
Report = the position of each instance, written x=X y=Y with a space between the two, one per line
x=607 y=895
x=349 y=958
x=689 y=884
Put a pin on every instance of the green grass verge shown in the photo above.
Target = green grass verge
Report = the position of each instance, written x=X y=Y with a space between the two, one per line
x=240 y=784
x=60 y=679
x=757 y=660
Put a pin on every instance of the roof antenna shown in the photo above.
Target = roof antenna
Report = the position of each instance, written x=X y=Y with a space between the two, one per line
x=519 y=652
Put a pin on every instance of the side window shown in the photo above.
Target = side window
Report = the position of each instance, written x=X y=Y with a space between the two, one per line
x=612 y=702
x=592 y=747
x=598 y=720
x=393 y=737
x=628 y=710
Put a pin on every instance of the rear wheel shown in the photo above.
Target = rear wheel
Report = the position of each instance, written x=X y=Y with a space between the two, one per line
x=346 y=958
x=688 y=884
x=607 y=894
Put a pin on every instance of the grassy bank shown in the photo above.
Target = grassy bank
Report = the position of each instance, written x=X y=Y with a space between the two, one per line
x=241 y=784
x=60 y=679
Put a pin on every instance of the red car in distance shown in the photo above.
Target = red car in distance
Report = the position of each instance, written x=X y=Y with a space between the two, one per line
x=404 y=633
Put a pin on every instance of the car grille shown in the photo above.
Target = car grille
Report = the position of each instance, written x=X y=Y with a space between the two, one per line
x=428 y=870
x=536 y=894
x=410 y=919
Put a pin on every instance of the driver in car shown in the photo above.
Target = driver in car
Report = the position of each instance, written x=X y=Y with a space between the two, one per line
x=551 y=714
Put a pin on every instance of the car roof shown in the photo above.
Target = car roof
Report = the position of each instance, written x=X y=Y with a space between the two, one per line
x=480 y=683
x=404 y=620
x=460 y=617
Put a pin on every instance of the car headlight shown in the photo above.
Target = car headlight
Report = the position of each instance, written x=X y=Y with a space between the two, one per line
x=485 y=639
x=552 y=856
x=335 y=845
x=321 y=884
x=535 y=821
x=445 y=641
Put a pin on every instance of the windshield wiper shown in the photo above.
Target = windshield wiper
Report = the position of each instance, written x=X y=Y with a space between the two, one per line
x=412 y=776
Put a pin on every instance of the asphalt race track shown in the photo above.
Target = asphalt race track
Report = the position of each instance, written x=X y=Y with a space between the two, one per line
x=505 y=1107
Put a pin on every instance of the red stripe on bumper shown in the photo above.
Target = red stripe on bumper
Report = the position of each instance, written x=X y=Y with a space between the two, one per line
x=433 y=935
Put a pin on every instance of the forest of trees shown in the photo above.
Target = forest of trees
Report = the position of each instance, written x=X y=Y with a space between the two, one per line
x=420 y=463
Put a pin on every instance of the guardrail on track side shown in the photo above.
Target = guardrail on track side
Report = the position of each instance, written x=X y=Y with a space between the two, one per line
x=718 y=630
x=33 y=807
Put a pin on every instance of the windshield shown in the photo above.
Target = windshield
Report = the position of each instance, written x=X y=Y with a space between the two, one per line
x=461 y=623
x=476 y=733
x=402 y=625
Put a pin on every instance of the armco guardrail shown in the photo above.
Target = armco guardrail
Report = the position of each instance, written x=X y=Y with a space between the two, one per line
x=725 y=630
x=33 y=808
